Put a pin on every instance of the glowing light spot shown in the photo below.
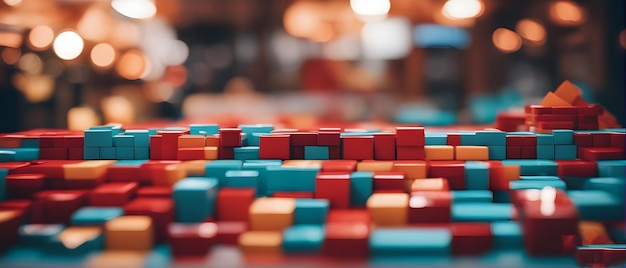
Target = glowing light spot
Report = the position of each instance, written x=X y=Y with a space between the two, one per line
x=12 y=2
x=11 y=55
x=135 y=9
x=370 y=7
x=131 y=65
x=30 y=63
x=567 y=13
x=418 y=202
x=68 y=45
x=622 y=38
x=103 y=55
x=118 y=109
x=531 y=31
x=462 y=9
x=548 y=198
x=506 y=40
x=388 y=39
x=95 y=24
x=36 y=88
x=159 y=92
x=40 y=37
x=10 y=39
x=301 y=20
x=81 y=118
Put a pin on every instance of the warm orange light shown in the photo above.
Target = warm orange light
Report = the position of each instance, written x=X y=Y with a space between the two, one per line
x=567 y=13
x=131 y=65
x=36 y=88
x=118 y=109
x=9 y=39
x=506 y=40
x=531 y=31
x=462 y=9
x=95 y=24
x=40 y=37
x=324 y=33
x=68 y=45
x=12 y=2
x=159 y=92
x=81 y=118
x=125 y=34
x=302 y=19
x=30 y=63
x=622 y=38
x=11 y=55
x=102 y=55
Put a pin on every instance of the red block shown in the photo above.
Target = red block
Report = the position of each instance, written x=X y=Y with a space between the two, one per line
x=329 y=137
x=52 y=169
x=23 y=185
x=155 y=147
x=454 y=139
x=228 y=232
x=293 y=194
x=10 y=221
x=155 y=192
x=410 y=153
x=23 y=205
x=514 y=140
x=348 y=216
x=454 y=171
x=230 y=137
x=56 y=206
x=121 y=173
x=192 y=239
x=554 y=118
x=303 y=138
x=583 y=139
x=601 y=139
x=157 y=171
x=587 y=119
x=430 y=207
x=233 y=203
x=358 y=148
x=334 y=152
x=556 y=125
x=297 y=152
x=347 y=235
x=471 y=238
x=577 y=168
x=410 y=136
x=586 y=109
x=389 y=182
x=538 y=109
x=274 y=147
x=75 y=153
x=600 y=256
x=334 y=186
x=618 y=140
x=74 y=141
x=53 y=153
x=346 y=166
x=226 y=152
x=602 y=153
x=565 y=110
x=529 y=152
x=49 y=141
x=384 y=146
x=161 y=210
x=113 y=194
x=513 y=152
x=529 y=141
x=190 y=153
x=169 y=144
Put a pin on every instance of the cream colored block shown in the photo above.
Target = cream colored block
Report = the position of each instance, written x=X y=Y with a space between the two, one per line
x=439 y=152
x=74 y=236
x=388 y=209
x=302 y=163
x=260 y=241
x=87 y=170
x=191 y=141
x=129 y=233
x=374 y=166
x=195 y=167
x=472 y=153
x=210 y=152
x=271 y=214
x=413 y=169
x=117 y=258
x=430 y=184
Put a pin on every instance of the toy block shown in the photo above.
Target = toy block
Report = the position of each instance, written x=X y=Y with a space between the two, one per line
x=246 y=153
x=346 y=239
x=453 y=171
x=565 y=152
x=163 y=173
x=132 y=233
x=471 y=238
x=396 y=242
x=388 y=209
x=156 y=147
x=597 y=205
x=593 y=233
x=95 y=215
x=490 y=137
x=316 y=152
x=33 y=235
x=169 y=144
x=617 y=140
x=76 y=240
x=411 y=169
x=126 y=173
x=212 y=141
x=191 y=153
x=256 y=128
x=195 y=168
x=361 y=187
x=18 y=186
x=471 y=153
x=568 y=92
x=358 y=148
x=529 y=152
x=500 y=175
x=261 y=167
x=384 y=146
x=275 y=147
x=563 y=136
x=233 y=204
x=454 y=139
x=436 y=138
x=576 y=168
x=334 y=152
x=228 y=232
x=430 y=184
x=410 y=153
x=497 y=152
x=602 y=153
x=390 y=182
x=429 y=207
x=76 y=154
x=439 y=152
x=476 y=175
x=613 y=186
x=583 y=139
x=482 y=212
x=549 y=127
x=335 y=187
x=545 y=139
x=56 y=206
x=141 y=137
x=600 y=255
x=155 y=191
x=218 y=168
x=260 y=242
x=112 y=194
x=552 y=99
x=271 y=214
x=297 y=152
x=230 y=137
x=507 y=235
x=191 y=141
x=303 y=239
x=303 y=138
x=194 y=198
x=545 y=152
x=280 y=179
x=611 y=168
x=122 y=140
x=98 y=138
x=45 y=153
x=241 y=179
x=306 y=178
x=124 y=153
x=536 y=184
x=192 y=239
x=107 y=153
x=10 y=221
x=339 y=166
x=203 y=129
x=284 y=194
x=374 y=166
x=601 y=139
x=311 y=211
x=410 y=136
x=529 y=167
x=160 y=210
x=329 y=137
x=211 y=153
x=565 y=110
x=303 y=163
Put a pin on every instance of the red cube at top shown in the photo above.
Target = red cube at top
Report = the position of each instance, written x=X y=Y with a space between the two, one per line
x=113 y=194
x=274 y=147
x=410 y=136
x=233 y=203
x=56 y=206
x=430 y=207
x=358 y=148
x=471 y=238
x=230 y=137
x=161 y=210
x=334 y=186
x=24 y=185
x=192 y=239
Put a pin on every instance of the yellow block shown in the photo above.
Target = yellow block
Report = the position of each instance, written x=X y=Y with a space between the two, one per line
x=568 y=91
x=74 y=236
x=302 y=163
x=439 y=152
x=411 y=169
x=388 y=209
x=552 y=99
x=374 y=166
x=87 y=170
x=210 y=152
x=471 y=153
x=195 y=167
x=129 y=233
x=191 y=141
x=260 y=241
x=271 y=214
x=212 y=141
x=430 y=184
x=592 y=232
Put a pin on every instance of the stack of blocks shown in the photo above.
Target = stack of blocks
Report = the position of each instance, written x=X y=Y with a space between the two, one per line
x=113 y=143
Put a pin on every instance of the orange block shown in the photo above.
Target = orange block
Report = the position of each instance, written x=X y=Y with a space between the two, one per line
x=439 y=152
x=212 y=141
x=302 y=163
x=210 y=153
x=167 y=175
x=87 y=170
x=388 y=209
x=374 y=166
x=260 y=241
x=471 y=153
x=412 y=169
x=430 y=184
x=568 y=92
x=271 y=214
x=117 y=258
x=552 y=99
x=191 y=141
x=129 y=233
x=593 y=233
x=195 y=167
x=500 y=176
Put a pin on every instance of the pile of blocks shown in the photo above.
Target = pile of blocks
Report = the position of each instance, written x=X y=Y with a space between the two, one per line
x=113 y=143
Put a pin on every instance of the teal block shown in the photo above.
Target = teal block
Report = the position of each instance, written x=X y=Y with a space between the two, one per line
x=316 y=152
x=536 y=184
x=107 y=153
x=249 y=129
x=597 y=205
x=540 y=178
x=280 y=179
x=545 y=139
x=194 y=198
x=482 y=212
x=99 y=138
x=436 y=138
x=545 y=152
x=7 y=156
x=507 y=235
x=3 y=186
x=529 y=167
x=36 y=235
x=261 y=167
x=490 y=138
x=471 y=196
x=141 y=137
x=130 y=163
x=246 y=153
x=241 y=179
x=612 y=168
x=124 y=153
x=565 y=152
x=152 y=131
x=476 y=175
x=355 y=134
x=91 y=153
x=497 y=152
x=563 y=136
x=25 y=154
x=95 y=215
x=303 y=239
x=56 y=246
x=142 y=153
x=501 y=196
x=305 y=178
x=311 y=211
x=204 y=129
x=29 y=143
x=468 y=138
x=613 y=186
x=361 y=187
x=217 y=168
x=617 y=233
x=122 y=140
x=575 y=183
x=410 y=242
x=254 y=139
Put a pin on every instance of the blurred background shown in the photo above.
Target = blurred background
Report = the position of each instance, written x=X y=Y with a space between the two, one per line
x=76 y=63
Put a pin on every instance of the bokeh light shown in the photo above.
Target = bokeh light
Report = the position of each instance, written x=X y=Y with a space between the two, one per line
x=131 y=65
x=103 y=55
x=10 y=39
x=506 y=40
x=81 y=118
x=135 y=9
x=36 y=88
x=11 y=55
x=40 y=37
x=388 y=39
x=301 y=20
x=532 y=31
x=13 y=2
x=30 y=64
x=462 y=9
x=567 y=13
x=68 y=45
x=118 y=109
x=95 y=24
x=622 y=38
x=370 y=7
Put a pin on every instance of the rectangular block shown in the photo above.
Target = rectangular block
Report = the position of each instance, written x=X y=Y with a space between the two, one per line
x=122 y=140
x=410 y=153
x=195 y=239
x=141 y=137
x=335 y=187
x=430 y=207
x=482 y=212
x=534 y=166
x=260 y=242
x=436 y=138
x=384 y=146
x=471 y=153
x=358 y=148
x=233 y=204
x=303 y=239
x=410 y=242
x=107 y=153
x=565 y=152
x=410 y=136
x=191 y=141
x=388 y=209
x=112 y=194
x=203 y=129
x=439 y=152
x=271 y=214
x=311 y=211
x=472 y=196
x=95 y=215
x=563 y=136
x=134 y=233
x=476 y=175
x=275 y=147
x=98 y=138
x=497 y=152
x=316 y=153
x=545 y=152
x=194 y=199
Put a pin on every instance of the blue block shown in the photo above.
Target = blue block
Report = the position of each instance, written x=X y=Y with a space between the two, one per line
x=241 y=179
x=545 y=139
x=99 y=138
x=29 y=143
x=497 y=152
x=565 y=152
x=141 y=137
x=280 y=179
x=36 y=235
x=204 y=129
x=122 y=140
x=545 y=152
x=56 y=246
x=311 y=211
x=217 y=168
x=246 y=153
x=124 y=153
x=305 y=181
x=107 y=153
x=491 y=138
x=261 y=167
x=501 y=196
x=468 y=138
x=303 y=239
x=248 y=129
x=95 y=215
x=575 y=183
x=3 y=186
x=613 y=186
x=597 y=205
x=436 y=138
x=254 y=139
x=361 y=187
x=130 y=163
x=507 y=235
x=540 y=178
x=472 y=196
x=316 y=152
x=563 y=136
x=536 y=184
x=410 y=241
x=91 y=153
x=482 y=212
x=617 y=233
x=529 y=167
x=612 y=168
x=194 y=198
x=142 y=153
x=476 y=175
x=24 y=154
x=7 y=156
